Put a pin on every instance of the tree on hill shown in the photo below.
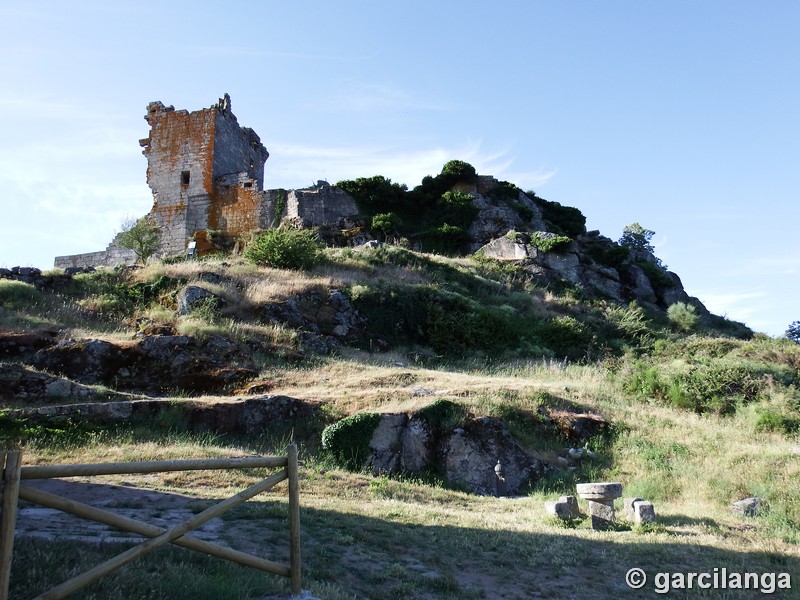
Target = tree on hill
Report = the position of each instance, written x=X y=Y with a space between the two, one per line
x=143 y=236
x=636 y=237
x=793 y=333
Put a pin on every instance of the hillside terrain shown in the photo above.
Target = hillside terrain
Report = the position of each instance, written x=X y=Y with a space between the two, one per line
x=554 y=350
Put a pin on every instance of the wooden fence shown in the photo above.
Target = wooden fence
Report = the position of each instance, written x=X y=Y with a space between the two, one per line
x=13 y=472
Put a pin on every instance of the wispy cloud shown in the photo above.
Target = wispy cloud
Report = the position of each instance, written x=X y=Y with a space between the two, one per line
x=300 y=165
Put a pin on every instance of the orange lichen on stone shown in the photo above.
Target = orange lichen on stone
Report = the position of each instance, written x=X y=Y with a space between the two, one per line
x=236 y=210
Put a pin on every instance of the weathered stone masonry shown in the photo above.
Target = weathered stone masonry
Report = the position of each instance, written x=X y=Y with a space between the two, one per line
x=207 y=173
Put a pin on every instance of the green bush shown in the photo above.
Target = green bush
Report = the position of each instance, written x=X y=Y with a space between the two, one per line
x=447 y=238
x=715 y=386
x=683 y=316
x=16 y=295
x=443 y=415
x=566 y=336
x=636 y=237
x=373 y=194
x=657 y=275
x=286 y=248
x=645 y=381
x=632 y=323
x=562 y=219
x=386 y=223
x=458 y=169
x=548 y=243
x=772 y=421
x=608 y=254
x=347 y=441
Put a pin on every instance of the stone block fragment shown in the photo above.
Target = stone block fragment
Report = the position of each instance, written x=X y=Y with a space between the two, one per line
x=628 y=504
x=599 y=491
x=747 y=507
x=563 y=508
x=602 y=514
x=572 y=503
x=643 y=512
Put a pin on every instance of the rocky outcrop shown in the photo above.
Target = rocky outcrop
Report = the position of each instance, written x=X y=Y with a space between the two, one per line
x=251 y=416
x=18 y=345
x=325 y=318
x=20 y=382
x=192 y=296
x=157 y=364
x=601 y=268
x=465 y=455
x=498 y=216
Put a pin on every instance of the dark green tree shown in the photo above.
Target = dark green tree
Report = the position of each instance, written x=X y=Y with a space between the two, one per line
x=636 y=237
x=793 y=333
x=386 y=223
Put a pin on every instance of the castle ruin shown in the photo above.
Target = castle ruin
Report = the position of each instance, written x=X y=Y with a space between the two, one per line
x=207 y=175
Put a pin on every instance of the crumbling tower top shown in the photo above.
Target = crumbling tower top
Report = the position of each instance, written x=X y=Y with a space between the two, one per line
x=202 y=167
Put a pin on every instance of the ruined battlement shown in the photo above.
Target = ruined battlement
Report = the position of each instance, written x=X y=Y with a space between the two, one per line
x=206 y=172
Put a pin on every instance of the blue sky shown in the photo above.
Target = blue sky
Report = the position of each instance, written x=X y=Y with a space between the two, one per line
x=683 y=116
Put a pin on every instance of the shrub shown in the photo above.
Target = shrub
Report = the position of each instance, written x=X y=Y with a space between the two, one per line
x=458 y=169
x=565 y=336
x=771 y=421
x=386 y=223
x=563 y=219
x=443 y=415
x=608 y=254
x=683 y=316
x=636 y=237
x=645 y=381
x=447 y=239
x=548 y=242
x=347 y=441
x=717 y=386
x=374 y=193
x=286 y=248
x=657 y=275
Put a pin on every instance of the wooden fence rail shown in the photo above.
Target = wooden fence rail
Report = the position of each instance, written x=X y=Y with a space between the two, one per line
x=13 y=472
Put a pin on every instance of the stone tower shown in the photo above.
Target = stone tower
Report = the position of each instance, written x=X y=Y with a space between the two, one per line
x=206 y=173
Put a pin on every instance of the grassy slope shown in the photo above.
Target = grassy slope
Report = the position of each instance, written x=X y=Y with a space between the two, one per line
x=369 y=537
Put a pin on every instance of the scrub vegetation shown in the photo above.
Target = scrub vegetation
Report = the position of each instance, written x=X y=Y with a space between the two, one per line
x=702 y=414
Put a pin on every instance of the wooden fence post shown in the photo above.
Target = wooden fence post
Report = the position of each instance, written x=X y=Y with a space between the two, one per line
x=294 y=520
x=10 y=467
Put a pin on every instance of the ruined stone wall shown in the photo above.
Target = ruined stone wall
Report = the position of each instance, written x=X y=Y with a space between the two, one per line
x=322 y=204
x=180 y=160
x=237 y=149
x=112 y=256
x=238 y=210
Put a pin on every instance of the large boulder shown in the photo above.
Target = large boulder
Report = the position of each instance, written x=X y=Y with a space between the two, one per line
x=193 y=296
x=470 y=455
x=465 y=455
